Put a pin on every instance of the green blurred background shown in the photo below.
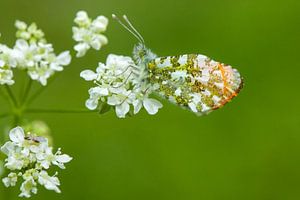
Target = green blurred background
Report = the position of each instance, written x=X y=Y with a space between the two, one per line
x=247 y=150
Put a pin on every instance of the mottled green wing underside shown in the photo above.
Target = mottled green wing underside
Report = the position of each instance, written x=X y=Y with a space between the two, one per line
x=195 y=81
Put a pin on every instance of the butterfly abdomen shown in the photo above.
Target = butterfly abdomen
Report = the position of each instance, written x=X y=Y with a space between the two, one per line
x=195 y=81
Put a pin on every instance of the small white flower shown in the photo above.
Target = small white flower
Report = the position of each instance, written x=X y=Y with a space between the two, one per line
x=28 y=187
x=32 y=53
x=49 y=182
x=100 y=24
x=81 y=49
x=29 y=156
x=121 y=101
x=27 y=53
x=6 y=76
x=30 y=33
x=8 y=57
x=95 y=94
x=119 y=85
x=20 y=25
x=152 y=105
x=17 y=135
x=10 y=180
x=63 y=59
x=88 y=33
x=88 y=75
x=82 y=18
x=7 y=62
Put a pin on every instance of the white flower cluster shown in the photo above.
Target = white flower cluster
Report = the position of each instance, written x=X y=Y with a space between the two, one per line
x=32 y=53
x=88 y=33
x=119 y=85
x=30 y=157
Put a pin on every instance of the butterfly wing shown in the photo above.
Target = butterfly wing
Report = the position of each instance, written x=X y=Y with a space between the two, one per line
x=195 y=81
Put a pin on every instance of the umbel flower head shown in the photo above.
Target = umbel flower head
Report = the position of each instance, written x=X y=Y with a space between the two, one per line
x=118 y=85
x=32 y=53
x=88 y=33
x=28 y=158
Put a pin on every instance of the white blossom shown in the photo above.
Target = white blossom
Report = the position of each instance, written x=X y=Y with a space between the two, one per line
x=31 y=53
x=49 y=182
x=10 y=180
x=28 y=186
x=29 y=157
x=6 y=76
x=88 y=33
x=40 y=60
x=30 y=33
x=8 y=57
x=7 y=62
x=118 y=84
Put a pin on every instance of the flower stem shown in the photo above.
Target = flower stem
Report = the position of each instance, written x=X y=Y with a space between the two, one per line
x=26 y=91
x=17 y=119
x=40 y=91
x=11 y=95
x=37 y=110
x=6 y=193
x=3 y=95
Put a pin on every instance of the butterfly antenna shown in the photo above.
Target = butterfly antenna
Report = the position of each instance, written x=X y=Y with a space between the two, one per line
x=132 y=31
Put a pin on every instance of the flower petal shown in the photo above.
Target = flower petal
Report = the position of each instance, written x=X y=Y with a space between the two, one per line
x=122 y=110
x=64 y=58
x=88 y=75
x=63 y=158
x=91 y=103
x=137 y=105
x=17 y=135
x=152 y=105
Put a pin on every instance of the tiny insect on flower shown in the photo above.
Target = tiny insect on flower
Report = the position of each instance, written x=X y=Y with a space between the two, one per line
x=29 y=157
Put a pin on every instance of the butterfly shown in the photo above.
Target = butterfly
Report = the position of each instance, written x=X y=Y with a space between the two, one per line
x=192 y=81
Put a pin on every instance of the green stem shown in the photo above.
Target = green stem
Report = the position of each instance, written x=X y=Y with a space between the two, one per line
x=26 y=91
x=3 y=95
x=57 y=111
x=17 y=120
x=11 y=95
x=40 y=91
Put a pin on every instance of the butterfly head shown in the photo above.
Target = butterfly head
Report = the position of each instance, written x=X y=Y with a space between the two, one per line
x=141 y=54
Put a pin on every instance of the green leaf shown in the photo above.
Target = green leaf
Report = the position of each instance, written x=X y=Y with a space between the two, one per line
x=130 y=113
x=104 y=108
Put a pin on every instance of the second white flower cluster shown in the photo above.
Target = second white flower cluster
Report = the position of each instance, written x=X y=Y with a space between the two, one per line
x=32 y=53
x=30 y=157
